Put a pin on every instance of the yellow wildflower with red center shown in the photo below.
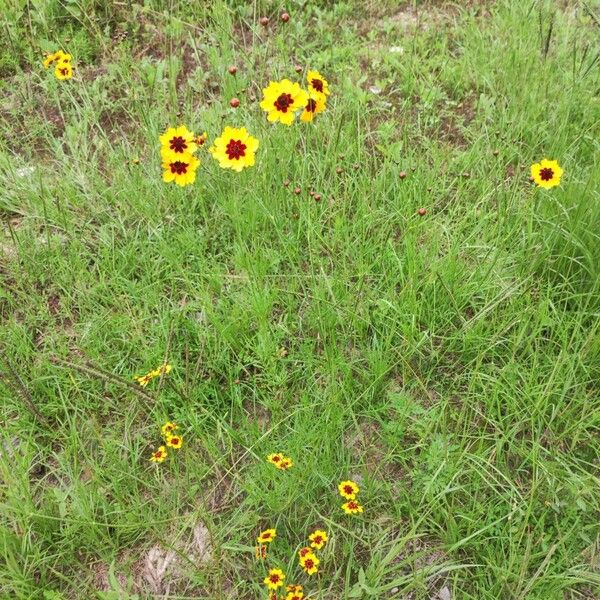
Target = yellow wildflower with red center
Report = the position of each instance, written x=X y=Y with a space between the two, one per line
x=318 y=539
x=235 y=149
x=304 y=551
x=174 y=441
x=348 y=489
x=159 y=455
x=267 y=536
x=294 y=588
x=274 y=579
x=352 y=507
x=180 y=168
x=63 y=71
x=56 y=57
x=178 y=141
x=295 y=596
x=310 y=563
x=314 y=106
x=546 y=173
x=275 y=458
x=285 y=464
x=317 y=83
x=281 y=100
x=168 y=428
x=201 y=139
x=261 y=552
x=144 y=380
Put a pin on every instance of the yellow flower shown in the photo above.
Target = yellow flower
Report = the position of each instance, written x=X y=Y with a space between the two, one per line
x=546 y=173
x=304 y=551
x=295 y=595
x=318 y=539
x=235 y=149
x=174 y=441
x=348 y=489
x=178 y=141
x=352 y=507
x=261 y=552
x=201 y=139
x=281 y=100
x=317 y=83
x=314 y=106
x=63 y=71
x=180 y=168
x=55 y=57
x=168 y=428
x=294 y=588
x=274 y=579
x=285 y=464
x=267 y=536
x=276 y=458
x=159 y=455
x=144 y=380
x=309 y=563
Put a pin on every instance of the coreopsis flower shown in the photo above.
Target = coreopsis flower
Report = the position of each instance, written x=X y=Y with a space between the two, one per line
x=317 y=83
x=267 y=536
x=180 y=168
x=56 y=57
x=546 y=173
x=352 y=507
x=274 y=579
x=234 y=149
x=144 y=380
x=318 y=539
x=275 y=458
x=294 y=588
x=168 y=428
x=281 y=100
x=304 y=551
x=201 y=139
x=159 y=455
x=261 y=552
x=348 y=489
x=314 y=106
x=310 y=563
x=177 y=140
x=295 y=596
x=63 y=71
x=285 y=464
x=174 y=441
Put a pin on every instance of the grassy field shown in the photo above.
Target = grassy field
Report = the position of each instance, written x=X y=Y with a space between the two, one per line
x=447 y=360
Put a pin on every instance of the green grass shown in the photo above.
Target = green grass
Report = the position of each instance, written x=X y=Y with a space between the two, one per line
x=449 y=362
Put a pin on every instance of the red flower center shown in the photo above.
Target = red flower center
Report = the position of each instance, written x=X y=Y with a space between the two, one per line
x=64 y=71
x=178 y=144
x=283 y=102
x=266 y=536
x=235 y=150
x=304 y=551
x=276 y=458
x=317 y=539
x=309 y=563
x=311 y=105
x=179 y=168
x=274 y=578
x=546 y=174
x=352 y=505
x=348 y=489
x=318 y=85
